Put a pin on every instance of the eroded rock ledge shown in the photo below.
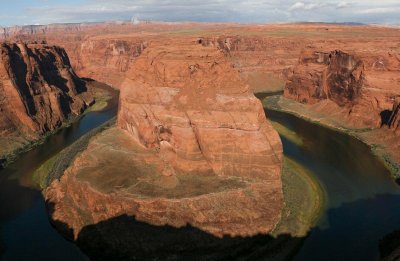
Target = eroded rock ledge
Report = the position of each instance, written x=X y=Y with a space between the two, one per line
x=192 y=147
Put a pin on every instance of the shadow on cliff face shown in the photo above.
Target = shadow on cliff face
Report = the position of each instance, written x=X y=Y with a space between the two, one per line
x=385 y=117
x=124 y=238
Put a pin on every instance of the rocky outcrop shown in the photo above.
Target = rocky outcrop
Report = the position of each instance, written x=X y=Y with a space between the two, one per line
x=192 y=148
x=336 y=76
x=192 y=108
x=394 y=121
x=38 y=92
x=342 y=85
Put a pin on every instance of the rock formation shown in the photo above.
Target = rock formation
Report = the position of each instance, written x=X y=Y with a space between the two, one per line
x=263 y=62
x=340 y=83
x=207 y=99
x=38 y=91
x=106 y=60
x=337 y=76
x=192 y=147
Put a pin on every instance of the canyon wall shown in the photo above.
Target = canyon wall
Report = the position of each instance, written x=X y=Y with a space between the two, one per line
x=41 y=30
x=337 y=81
x=38 y=92
x=336 y=76
x=106 y=60
x=264 y=62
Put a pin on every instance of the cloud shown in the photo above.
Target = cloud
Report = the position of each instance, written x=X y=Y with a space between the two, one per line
x=256 y=11
x=303 y=6
x=298 y=5
x=380 y=10
x=342 y=5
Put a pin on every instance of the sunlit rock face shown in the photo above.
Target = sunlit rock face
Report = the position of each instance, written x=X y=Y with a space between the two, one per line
x=192 y=105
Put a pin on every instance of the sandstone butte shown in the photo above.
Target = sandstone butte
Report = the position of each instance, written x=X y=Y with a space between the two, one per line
x=192 y=147
x=38 y=92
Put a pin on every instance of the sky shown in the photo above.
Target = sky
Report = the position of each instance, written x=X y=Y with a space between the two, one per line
x=23 y=12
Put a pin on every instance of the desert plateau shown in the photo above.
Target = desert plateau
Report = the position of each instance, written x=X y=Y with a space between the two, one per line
x=200 y=137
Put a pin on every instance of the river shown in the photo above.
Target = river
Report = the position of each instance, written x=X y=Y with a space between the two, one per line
x=25 y=231
x=362 y=199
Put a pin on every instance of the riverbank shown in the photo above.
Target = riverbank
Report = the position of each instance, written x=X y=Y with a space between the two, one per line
x=304 y=200
x=15 y=146
x=54 y=167
x=374 y=138
x=303 y=195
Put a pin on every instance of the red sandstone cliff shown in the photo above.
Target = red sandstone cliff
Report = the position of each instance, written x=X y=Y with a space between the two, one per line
x=336 y=76
x=344 y=83
x=191 y=104
x=106 y=60
x=38 y=91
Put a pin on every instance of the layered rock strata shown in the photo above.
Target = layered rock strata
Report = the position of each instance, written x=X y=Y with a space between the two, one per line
x=192 y=148
x=38 y=92
x=106 y=60
x=192 y=108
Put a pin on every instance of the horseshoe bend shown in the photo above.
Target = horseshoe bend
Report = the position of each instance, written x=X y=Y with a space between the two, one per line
x=205 y=141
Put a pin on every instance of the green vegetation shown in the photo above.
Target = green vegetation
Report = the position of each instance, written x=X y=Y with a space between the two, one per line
x=304 y=200
x=40 y=175
x=54 y=167
x=102 y=97
x=387 y=160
